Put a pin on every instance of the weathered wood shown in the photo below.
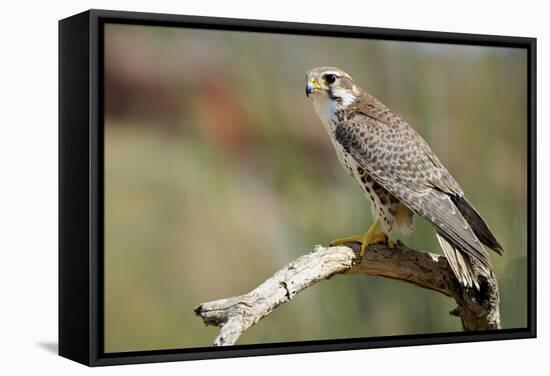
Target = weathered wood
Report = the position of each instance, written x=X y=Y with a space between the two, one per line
x=478 y=310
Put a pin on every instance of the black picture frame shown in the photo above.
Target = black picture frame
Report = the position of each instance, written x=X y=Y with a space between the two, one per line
x=81 y=186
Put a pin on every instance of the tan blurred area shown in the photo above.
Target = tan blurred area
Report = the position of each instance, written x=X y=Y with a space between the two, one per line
x=218 y=172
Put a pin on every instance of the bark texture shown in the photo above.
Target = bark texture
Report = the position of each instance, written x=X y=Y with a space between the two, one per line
x=478 y=310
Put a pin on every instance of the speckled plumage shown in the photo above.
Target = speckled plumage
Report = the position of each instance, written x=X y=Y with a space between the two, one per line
x=396 y=169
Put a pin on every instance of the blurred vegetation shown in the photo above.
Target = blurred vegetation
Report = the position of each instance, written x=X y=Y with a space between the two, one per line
x=218 y=172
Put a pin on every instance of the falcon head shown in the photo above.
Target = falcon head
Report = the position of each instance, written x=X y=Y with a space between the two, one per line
x=332 y=87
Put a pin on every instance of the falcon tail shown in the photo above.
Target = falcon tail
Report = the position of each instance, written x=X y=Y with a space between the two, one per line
x=460 y=264
x=480 y=228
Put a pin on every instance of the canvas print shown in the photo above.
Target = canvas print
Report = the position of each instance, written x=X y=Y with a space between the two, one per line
x=266 y=188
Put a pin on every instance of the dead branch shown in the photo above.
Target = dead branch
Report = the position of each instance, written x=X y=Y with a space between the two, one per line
x=478 y=310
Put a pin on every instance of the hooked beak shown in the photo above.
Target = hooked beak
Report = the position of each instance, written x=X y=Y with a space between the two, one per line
x=312 y=87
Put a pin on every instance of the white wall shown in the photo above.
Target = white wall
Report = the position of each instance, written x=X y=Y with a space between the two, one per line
x=28 y=240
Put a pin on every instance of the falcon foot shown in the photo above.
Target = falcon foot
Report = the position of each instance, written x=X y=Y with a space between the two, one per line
x=389 y=243
x=369 y=237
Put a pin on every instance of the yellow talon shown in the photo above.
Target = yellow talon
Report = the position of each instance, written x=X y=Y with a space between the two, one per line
x=379 y=237
x=369 y=237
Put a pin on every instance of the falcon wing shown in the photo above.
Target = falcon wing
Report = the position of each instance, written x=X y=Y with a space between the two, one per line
x=399 y=160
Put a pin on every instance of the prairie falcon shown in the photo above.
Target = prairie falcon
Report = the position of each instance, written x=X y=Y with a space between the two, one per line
x=399 y=173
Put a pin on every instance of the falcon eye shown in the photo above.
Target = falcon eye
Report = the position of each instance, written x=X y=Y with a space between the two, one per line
x=330 y=78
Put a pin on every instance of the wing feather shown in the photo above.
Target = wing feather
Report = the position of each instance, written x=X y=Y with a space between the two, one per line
x=399 y=160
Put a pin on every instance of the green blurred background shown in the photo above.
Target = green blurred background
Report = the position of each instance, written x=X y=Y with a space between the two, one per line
x=218 y=172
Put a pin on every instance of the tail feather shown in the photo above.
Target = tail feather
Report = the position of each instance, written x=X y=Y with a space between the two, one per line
x=478 y=225
x=460 y=264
